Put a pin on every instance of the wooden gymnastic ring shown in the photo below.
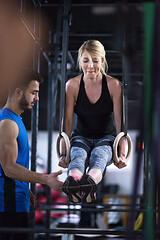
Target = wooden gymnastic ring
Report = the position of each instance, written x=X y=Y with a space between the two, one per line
x=67 y=142
x=115 y=146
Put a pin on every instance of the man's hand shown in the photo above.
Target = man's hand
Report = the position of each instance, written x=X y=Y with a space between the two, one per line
x=121 y=163
x=54 y=182
x=62 y=162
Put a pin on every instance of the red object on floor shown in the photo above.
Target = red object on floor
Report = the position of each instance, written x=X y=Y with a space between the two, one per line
x=59 y=214
x=39 y=216
x=55 y=195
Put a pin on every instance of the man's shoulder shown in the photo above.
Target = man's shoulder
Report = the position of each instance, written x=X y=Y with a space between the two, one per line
x=8 y=128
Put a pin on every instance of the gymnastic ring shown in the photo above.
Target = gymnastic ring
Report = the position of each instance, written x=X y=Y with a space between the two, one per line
x=67 y=142
x=115 y=146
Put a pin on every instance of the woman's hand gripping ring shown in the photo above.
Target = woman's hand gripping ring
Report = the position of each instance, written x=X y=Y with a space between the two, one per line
x=67 y=142
x=115 y=146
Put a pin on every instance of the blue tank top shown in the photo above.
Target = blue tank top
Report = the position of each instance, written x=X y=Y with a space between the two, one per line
x=14 y=194
x=94 y=120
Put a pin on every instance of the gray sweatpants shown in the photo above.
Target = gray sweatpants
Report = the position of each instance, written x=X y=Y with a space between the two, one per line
x=92 y=153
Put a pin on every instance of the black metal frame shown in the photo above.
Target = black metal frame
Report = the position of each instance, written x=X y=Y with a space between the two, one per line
x=66 y=18
x=74 y=231
x=52 y=99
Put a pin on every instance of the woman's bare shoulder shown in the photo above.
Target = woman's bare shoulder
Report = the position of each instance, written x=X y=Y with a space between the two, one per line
x=114 y=85
x=73 y=83
x=113 y=82
x=75 y=80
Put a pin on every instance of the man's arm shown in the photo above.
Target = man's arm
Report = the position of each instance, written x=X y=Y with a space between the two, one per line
x=8 y=157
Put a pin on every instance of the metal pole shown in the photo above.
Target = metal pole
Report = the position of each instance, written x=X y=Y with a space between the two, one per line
x=125 y=79
x=52 y=89
x=56 y=54
x=149 y=23
x=50 y=129
x=22 y=6
x=66 y=15
x=35 y=110
x=73 y=231
x=50 y=119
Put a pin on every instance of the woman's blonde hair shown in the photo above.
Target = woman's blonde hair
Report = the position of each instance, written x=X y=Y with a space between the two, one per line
x=95 y=47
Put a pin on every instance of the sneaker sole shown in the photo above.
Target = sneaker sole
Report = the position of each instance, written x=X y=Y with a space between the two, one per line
x=71 y=192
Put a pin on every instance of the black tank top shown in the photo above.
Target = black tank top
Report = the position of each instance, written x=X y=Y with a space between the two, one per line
x=94 y=120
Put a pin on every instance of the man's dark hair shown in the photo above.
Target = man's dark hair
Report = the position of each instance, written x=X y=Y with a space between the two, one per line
x=28 y=76
x=24 y=77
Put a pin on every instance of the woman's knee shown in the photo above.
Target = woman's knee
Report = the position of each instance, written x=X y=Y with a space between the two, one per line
x=102 y=152
x=77 y=152
x=78 y=158
x=100 y=157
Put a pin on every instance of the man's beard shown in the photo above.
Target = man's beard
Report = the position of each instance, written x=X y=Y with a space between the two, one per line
x=23 y=104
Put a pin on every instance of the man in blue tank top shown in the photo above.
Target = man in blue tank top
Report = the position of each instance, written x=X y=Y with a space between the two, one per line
x=14 y=157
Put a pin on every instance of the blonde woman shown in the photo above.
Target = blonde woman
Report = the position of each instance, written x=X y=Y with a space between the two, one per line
x=95 y=98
